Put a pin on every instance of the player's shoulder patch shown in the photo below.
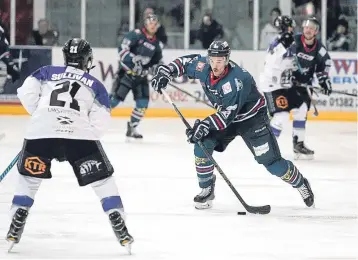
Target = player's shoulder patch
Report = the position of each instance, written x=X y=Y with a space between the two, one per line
x=322 y=51
x=226 y=87
x=137 y=31
x=200 y=66
x=239 y=84
x=41 y=73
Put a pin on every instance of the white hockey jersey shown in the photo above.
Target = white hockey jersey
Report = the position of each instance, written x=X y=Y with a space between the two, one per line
x=64 y=102
x=277 y=72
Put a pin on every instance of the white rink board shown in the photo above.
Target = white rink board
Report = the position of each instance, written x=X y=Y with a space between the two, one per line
x=343 y=76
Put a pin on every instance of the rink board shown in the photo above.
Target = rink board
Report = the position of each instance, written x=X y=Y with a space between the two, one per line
x=335 y=107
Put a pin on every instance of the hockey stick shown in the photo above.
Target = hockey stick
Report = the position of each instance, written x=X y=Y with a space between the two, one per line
x=8 y=169
x=344 y=93
x=190 y=95
x=334 y=91
x=251 y=209
x=315 y=113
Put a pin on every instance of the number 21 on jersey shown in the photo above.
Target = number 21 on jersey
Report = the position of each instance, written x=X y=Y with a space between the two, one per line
x=65 y=87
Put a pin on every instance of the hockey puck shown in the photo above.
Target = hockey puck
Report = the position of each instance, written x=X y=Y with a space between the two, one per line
x=241 y=213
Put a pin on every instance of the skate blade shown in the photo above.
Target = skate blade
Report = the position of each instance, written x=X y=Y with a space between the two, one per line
x=133 y=140
x=299 y=156
x=313 y=206
x=205 y=205
x=128 y=245
x=11 y=244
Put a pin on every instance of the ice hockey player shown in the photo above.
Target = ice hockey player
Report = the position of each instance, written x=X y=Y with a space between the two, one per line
x=290 y=65
x=69 y=111
x=139 y=53
x=6 y=59
x=241 y=111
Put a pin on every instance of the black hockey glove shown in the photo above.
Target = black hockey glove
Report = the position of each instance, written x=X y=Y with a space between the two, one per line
x=286 y=39
x=325 y=84
x=198 y=132
x=161 y=78
x=13 y=71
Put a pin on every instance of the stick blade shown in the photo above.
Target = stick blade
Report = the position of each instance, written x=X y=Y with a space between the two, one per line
x=262 y=210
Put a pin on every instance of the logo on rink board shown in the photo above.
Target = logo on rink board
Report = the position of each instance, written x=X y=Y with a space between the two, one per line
x=34 y=165
x=281 y=102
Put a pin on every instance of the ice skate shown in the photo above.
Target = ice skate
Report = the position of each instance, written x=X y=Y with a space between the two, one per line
x=301 y=152
x=120 y=230
x=204 y=200
x=306 y=193
x=132 y=133
x=16 y=227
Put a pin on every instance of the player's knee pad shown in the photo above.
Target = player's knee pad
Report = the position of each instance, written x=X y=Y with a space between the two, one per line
x=91 y=169
x=26 y=190
x=278 y=167
x=277 y=122
x=263 y=144
x=287 y=171
x=105 y=188
x=114 y=101
x=34 y=166
x=208 y=143
x=300 y=114
x=121 y=86
x=142 y=103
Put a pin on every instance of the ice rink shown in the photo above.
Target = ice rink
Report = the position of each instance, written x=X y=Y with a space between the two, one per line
x=157 y=182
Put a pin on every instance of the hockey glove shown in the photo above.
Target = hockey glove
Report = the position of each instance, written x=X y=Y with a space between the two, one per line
x=161 y=78
x=325 y=84
x=138 y=67
x=13 y=71
x=198 y=132
x=286 y=39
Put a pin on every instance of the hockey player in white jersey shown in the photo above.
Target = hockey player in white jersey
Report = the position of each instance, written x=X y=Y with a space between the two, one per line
x=69 y=111
x=290 y=65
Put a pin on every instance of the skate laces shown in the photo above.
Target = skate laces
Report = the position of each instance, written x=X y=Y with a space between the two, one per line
x=304 y=191
x=304 y=147
x=17 y=223
x=119 y=225
x=205 y=191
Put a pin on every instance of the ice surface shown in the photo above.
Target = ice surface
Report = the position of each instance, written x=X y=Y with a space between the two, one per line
x=157 y=182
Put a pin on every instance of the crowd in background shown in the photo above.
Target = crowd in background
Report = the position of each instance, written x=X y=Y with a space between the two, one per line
x=206 y=25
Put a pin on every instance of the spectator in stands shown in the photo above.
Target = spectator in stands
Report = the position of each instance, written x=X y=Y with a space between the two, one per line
x=161 y=33
x=209 y=31
x=340 y=40
x=269 y=32
x=44 y=36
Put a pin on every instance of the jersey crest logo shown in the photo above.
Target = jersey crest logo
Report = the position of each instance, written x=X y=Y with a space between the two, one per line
x=226 y=88
x=149 y=46
x=305 y=56
x=200 y=66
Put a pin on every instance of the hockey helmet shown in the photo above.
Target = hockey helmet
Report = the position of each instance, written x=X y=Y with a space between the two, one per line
x=150 y=18
x=78 y=53
x=312 y=21
x=282 y=23
x=219 y=49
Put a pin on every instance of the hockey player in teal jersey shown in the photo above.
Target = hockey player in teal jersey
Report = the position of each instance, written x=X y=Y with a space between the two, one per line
x=5 y=59
x=241 y=111
x=139 y=53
